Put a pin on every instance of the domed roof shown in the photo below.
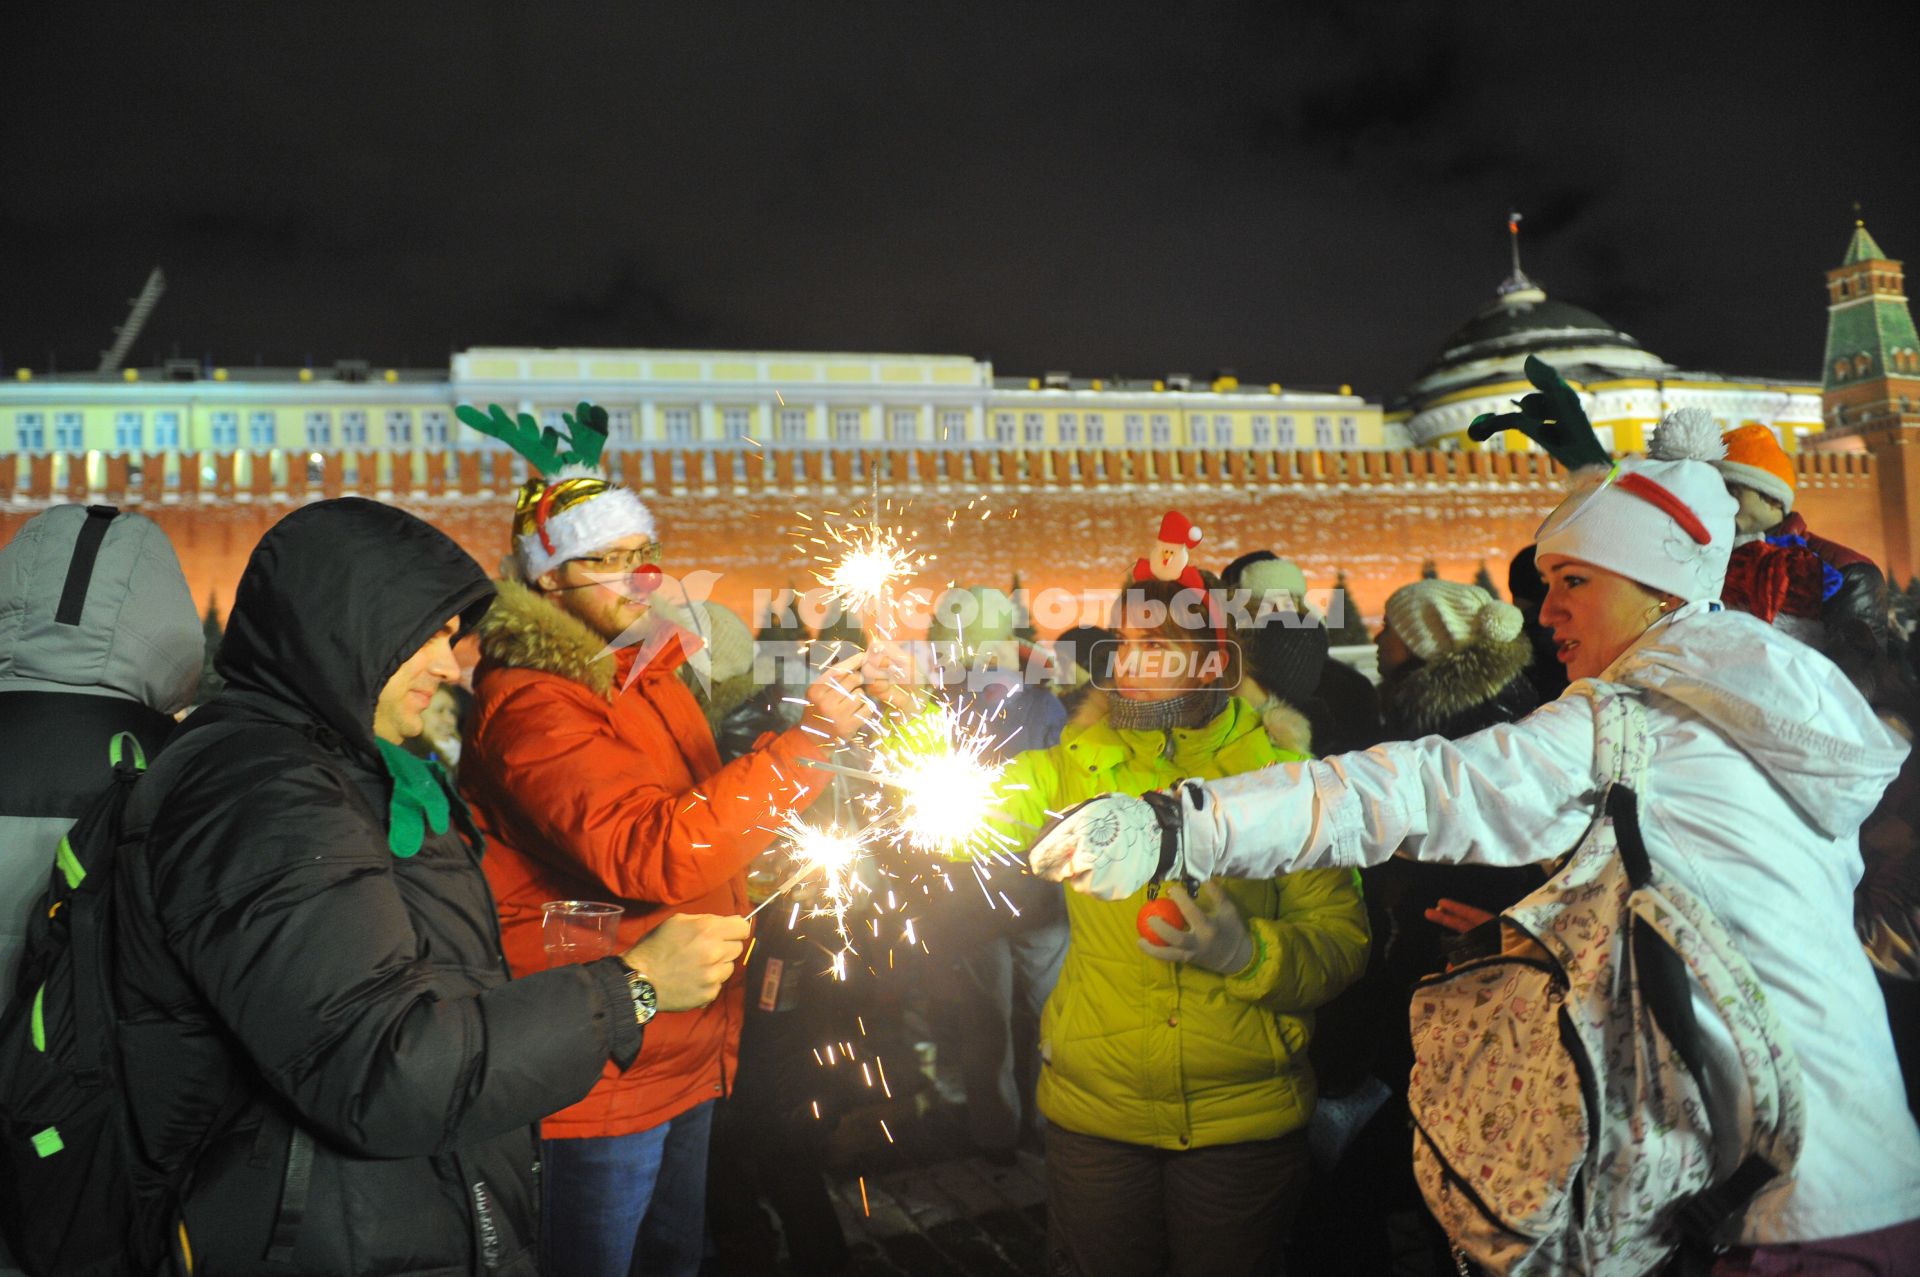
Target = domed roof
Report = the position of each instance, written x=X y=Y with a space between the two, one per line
x=1524 y=321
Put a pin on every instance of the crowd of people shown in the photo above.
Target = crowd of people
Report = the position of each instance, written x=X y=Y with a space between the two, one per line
x=348 y=1043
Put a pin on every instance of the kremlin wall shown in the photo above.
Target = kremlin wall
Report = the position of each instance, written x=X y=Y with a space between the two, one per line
x=1070 y=521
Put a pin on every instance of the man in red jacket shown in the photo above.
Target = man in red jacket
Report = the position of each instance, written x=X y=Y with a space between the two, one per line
x=591 y=768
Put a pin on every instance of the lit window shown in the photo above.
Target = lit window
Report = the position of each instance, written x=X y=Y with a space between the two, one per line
x=793 y=425
x=846 y=425
x=1096 y=428
x=224 y=429
x=129 y=429
x=399 y=428
x=260 y=430
x=166 y=430
x=32 y=430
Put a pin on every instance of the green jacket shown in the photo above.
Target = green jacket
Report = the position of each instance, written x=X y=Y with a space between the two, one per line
x=1159 y=1053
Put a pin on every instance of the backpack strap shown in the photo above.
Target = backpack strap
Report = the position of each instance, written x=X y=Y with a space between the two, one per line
x=86 y=549
x=1667 y=987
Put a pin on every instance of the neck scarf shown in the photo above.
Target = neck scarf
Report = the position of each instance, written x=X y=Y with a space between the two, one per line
x=419 y=800
x=1189 y=709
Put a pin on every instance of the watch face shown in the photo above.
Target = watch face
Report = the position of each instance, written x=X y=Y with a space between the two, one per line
x=645 y=1000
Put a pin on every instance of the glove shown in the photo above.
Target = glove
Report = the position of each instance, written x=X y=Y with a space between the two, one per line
x=1216 y=937
x=1113 y=845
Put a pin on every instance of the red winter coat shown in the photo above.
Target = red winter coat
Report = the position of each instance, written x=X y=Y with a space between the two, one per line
x=591 y=790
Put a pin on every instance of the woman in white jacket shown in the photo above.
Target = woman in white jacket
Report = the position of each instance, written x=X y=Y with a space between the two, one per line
x=1765 y=761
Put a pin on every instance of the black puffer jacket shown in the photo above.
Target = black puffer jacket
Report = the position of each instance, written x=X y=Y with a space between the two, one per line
x=320 y=1031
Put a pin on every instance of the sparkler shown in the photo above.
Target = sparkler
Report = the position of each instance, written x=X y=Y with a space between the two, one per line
x=830 y=852
x=946 y=785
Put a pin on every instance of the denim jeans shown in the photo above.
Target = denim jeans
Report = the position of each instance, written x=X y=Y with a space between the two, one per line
x=627 y=1204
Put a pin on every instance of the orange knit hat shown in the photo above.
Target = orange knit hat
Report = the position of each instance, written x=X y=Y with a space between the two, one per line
x=1756 y=460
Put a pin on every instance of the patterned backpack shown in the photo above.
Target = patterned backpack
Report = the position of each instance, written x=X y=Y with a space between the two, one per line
x=1560 y=1087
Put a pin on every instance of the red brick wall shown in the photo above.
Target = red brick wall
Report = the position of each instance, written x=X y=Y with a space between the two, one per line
x=1377 y=515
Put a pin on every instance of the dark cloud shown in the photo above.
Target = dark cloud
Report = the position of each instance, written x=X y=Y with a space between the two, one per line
x=1312 y=192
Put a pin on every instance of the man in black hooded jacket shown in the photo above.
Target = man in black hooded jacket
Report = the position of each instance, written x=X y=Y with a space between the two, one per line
x=329 y=1068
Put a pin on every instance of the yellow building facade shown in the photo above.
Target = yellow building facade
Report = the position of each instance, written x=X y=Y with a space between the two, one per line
x=660 y=399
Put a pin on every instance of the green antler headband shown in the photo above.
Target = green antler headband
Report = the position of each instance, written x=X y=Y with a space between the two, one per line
x=1552 y=417
x=586 y=435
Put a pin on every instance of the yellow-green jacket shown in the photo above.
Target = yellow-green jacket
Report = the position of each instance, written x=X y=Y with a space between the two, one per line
x=1160 y=1053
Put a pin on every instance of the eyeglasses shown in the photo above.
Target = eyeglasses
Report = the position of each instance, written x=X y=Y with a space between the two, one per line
x=622 y=560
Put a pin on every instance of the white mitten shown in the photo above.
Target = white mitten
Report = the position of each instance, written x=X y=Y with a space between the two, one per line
x=1114 y=845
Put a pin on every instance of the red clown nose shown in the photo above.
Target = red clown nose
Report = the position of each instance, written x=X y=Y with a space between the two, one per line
x=646 y=579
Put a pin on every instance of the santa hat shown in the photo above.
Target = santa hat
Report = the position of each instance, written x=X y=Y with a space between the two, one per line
x=1756 y=460
x=1666 y=522
x=1177 y=529
x=1434 y=618
x=568 y=509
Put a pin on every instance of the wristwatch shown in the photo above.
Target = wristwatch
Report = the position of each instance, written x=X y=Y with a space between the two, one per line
x=645 y=1000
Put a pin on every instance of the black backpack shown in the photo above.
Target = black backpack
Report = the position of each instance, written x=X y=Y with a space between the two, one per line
x=69 y=1201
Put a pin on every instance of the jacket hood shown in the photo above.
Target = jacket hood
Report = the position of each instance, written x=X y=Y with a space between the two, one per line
x=524 y=631
x=336 y=596
x=126 y=627
x=1470 y=683
x=1783 y=704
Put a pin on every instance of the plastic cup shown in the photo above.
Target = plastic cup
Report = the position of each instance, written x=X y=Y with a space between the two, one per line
x=578 y=930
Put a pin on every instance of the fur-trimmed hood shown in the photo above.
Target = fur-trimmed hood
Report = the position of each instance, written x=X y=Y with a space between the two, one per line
x=1474 y=686
x=524 y=631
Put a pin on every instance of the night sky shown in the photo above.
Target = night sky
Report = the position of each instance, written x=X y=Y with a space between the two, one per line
x=1304 y=192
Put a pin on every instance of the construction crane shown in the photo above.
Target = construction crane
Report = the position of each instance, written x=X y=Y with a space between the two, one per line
x=124 y=335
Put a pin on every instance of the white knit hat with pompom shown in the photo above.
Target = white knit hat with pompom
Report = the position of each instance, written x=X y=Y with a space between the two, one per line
x=1666 y=522
x=1433 y=617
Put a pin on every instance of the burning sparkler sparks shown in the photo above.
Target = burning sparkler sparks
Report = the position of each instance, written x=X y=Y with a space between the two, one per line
x=943 y=784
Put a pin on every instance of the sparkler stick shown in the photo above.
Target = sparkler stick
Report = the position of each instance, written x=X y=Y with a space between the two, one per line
x=792 y=881
x=895 y=782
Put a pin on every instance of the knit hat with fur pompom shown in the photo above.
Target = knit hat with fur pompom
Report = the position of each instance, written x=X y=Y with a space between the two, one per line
x=1433 y=617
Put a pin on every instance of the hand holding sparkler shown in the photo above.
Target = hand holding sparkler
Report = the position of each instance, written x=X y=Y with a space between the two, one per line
x=892 y=677
x=688 y=957
x=835 y=707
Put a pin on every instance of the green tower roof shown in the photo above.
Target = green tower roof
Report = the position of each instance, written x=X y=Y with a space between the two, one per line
x=1875 y=324
x=1861 y=247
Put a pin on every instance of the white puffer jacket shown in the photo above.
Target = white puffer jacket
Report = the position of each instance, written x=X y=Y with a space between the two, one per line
x=1765 y=762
